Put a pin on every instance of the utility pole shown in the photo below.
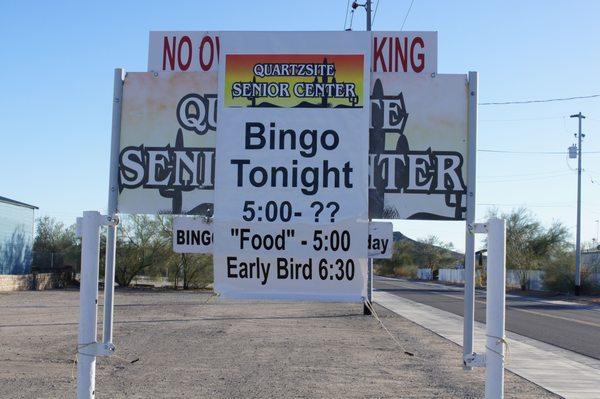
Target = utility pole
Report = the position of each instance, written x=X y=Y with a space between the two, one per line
x=580 y=136
x=368 y=7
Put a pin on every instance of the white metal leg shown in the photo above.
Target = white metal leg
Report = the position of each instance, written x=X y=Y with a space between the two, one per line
x=495 y=309
x=88 y=300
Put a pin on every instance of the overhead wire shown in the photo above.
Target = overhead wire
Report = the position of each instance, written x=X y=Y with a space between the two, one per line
x=522 y=152
x=520 y=119
x=533 y=152
x=526 y=178
x=540 y=101
x=375 y=13
x=351 y=19
x=406 y=16
x=553 y=172
x=558 y=205
x=346 y=16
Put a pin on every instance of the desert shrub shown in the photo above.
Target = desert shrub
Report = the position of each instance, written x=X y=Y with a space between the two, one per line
x=406 y=271
x=560 y=276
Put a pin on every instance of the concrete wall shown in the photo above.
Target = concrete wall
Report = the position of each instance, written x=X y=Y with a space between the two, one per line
x=23 y=282
x=16 y=238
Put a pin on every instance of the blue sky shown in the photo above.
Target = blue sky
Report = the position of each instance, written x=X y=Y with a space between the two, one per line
x=58 y=59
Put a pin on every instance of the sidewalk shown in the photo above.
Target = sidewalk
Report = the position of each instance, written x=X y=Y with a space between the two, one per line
x=562 y=372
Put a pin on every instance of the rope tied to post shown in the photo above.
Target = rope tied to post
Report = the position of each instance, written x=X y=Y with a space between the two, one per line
x=376 y=316
x=76 y=358
x=504 y=342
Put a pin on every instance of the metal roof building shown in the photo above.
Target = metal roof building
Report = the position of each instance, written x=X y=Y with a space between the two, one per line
x=16 y=236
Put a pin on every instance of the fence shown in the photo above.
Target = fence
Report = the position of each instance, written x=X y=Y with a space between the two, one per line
x=52 y=262
x=456 y=276
x=424 y=274
x=531 y=279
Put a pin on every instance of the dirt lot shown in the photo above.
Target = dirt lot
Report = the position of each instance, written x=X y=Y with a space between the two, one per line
x=191 y=345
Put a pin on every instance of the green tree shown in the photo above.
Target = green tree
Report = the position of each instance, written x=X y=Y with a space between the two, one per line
x=530 y=245
x=401 y=264
x=54 y=240
x=433 y=253
x=192 y=270
x=140 y=247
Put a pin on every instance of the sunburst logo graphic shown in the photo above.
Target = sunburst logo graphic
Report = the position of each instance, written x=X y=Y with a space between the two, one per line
x=294 y=80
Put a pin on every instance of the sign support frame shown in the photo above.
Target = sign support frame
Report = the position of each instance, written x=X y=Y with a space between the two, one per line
x=469 y=288
x=113 y=193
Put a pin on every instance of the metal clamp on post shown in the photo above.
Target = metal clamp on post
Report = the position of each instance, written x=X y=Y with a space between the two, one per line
x=480 y=228
x=104 y=220
x=108 y=220
x=474 y=360
x=96 y=349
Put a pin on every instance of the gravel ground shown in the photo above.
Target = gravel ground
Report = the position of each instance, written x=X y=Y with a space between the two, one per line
x=190 y=344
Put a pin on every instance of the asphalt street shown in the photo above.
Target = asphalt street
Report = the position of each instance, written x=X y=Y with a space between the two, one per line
x=572 y=326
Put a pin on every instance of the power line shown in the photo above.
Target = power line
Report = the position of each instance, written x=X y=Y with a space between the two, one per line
x=524 y=152
x=407 y=12
x=346 y=16
x=521 y=119
x=553 y=172
x=541 y=101
x=564 y=174
x=592 y=179
x=557 y=205
x=533 y=152
x=375 y=12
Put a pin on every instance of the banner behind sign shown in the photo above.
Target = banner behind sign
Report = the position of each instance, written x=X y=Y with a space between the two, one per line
x=412 y=53
x=381 y=240
x=192 y=235
x=167 y=150
x=418 y=123
x=418 y=147
x=291 y=206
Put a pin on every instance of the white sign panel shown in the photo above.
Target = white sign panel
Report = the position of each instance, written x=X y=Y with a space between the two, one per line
x=192 y=235
x=291 y=205
x=381 y=240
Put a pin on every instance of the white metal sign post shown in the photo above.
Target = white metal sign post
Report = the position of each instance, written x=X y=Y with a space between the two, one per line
x=495 y=309
x=469 y=289
x=493 y=360
x=87 y=346
x=113 y=192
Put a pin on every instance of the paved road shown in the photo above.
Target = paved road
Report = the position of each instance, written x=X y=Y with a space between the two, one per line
x=571 y=326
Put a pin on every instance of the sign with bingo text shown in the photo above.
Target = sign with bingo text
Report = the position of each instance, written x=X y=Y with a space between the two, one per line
x=291 y=214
